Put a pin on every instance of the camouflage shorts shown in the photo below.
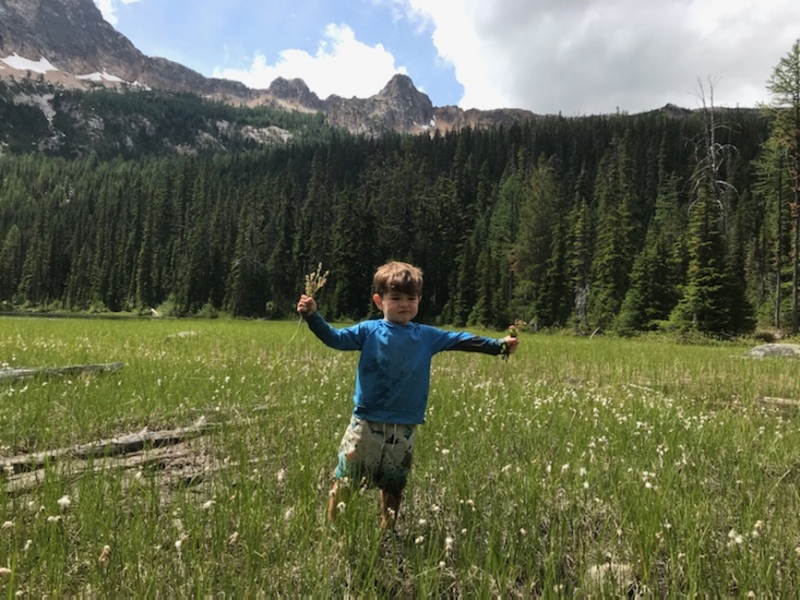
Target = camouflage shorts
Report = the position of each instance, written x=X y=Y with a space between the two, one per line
x=376 y=454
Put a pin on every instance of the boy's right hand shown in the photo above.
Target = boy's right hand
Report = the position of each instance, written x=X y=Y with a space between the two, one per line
x=306 y=305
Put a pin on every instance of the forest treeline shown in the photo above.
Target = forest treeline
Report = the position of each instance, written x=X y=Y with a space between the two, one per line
x=613 y=223
x=40 y=117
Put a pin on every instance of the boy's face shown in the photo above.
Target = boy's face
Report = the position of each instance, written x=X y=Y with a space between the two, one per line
x=397 y=307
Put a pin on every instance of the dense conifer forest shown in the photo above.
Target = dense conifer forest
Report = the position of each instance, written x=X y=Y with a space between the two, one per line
x=623 y=223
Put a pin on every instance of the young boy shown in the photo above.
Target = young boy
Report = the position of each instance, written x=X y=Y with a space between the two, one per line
x=392 y=382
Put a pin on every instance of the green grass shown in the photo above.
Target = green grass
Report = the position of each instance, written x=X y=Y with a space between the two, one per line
x=529 y=472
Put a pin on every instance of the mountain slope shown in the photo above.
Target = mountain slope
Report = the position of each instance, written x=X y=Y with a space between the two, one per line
x=79 y=49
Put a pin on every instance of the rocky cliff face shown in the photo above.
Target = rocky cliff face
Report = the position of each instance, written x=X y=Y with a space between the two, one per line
x=73 y=36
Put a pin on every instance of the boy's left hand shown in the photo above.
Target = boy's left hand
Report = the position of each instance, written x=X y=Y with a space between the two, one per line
x=511 y=343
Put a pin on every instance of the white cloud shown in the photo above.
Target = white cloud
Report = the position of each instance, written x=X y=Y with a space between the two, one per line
x=342 y=65
x=109 y=8
x=593 y=56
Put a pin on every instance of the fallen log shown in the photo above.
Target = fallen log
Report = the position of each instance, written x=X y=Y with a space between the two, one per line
x=125 y=444
x=21 y=372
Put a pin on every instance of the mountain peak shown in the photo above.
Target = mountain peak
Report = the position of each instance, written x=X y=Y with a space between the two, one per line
x=294 y=90
x=399 y=84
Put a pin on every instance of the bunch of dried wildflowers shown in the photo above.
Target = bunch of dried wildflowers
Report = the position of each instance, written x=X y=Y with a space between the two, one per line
x=315 y=280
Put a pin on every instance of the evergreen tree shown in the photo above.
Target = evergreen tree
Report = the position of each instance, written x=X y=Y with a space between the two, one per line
x=772 y=271
x=580 y=247
x=352 y=261
x=614 y=250
x=784 y=88
x=540 y=221
x=712 y=302
x=11 y=262
x=656 y=272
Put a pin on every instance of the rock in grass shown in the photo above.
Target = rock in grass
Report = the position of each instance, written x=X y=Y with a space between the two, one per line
x=608 y=576
x=779 y=350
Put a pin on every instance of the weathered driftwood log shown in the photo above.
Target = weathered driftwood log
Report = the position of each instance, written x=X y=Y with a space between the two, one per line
x=171 y=452
x=125 y=444
x=20 y=372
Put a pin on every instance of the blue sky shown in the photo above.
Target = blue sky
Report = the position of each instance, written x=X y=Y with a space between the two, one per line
x=577 y=57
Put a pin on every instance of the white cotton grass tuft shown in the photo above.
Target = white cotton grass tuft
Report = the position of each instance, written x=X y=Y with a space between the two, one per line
x=64 y=502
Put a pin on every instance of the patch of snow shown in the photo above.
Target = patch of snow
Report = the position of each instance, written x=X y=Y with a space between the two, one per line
x=24 y=64
x=40 y=102
x=101 y=77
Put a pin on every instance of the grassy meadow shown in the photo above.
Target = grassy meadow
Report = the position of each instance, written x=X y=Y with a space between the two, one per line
x=579 y=467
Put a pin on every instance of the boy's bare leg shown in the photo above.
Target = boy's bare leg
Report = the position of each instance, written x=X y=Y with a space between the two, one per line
x=333 y=503
x=390 y=506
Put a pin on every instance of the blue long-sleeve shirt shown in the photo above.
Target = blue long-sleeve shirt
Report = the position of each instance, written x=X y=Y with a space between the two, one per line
x=393 y=377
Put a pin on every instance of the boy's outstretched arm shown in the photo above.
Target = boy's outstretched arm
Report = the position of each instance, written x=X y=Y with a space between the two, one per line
x=476 y=343
x=339 y=339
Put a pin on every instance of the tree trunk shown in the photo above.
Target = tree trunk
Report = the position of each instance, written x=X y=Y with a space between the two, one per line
x=778 y=258
x=795 y=265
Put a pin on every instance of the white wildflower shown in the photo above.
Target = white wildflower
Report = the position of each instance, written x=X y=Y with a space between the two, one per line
x=64 y=502
x=757 y=526
x=419 y=540
x=7 y=525
x=734 y=538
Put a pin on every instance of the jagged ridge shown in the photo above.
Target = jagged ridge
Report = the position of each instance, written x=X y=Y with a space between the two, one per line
x=73 y=36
